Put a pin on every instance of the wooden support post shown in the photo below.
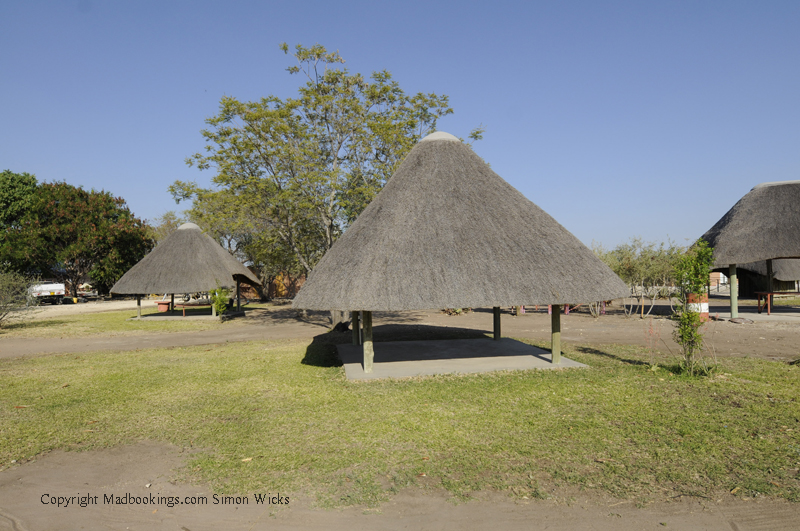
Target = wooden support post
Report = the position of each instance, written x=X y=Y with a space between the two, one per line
x=734 y=285
x=172 y=302
x=518 y=310
x=213 y=309
x=770 y=284
x=369 y=352
x=238 y=296
x=355 y=323
x=138 y=306
x=770 y=276
x=555 y=334
x=496 y=312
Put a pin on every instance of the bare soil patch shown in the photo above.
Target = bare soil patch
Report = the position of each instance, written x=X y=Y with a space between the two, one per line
x=144 y=475
x=773 y=338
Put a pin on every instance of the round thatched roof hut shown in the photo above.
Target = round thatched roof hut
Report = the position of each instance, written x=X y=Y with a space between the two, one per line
x=762 y=226
x=448 y=232
x=186 y=261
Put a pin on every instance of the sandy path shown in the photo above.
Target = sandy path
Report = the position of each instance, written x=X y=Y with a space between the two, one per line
x=27 y=494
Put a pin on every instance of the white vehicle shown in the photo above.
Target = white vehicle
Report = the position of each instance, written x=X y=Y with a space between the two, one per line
x=48 y=291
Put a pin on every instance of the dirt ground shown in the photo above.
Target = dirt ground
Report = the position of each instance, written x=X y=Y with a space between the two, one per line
x=29 y=494
x=29 y=500
x=775 y=337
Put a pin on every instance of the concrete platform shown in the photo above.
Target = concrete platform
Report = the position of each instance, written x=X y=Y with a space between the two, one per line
x=403 y=359
x=779 y=313
x=178 y=316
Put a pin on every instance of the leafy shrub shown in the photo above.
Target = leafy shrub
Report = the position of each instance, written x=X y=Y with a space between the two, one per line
x=14 y=294
x=691 y=273
x=219 y=299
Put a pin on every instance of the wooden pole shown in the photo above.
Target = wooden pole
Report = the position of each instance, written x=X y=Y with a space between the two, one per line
x=496 y=312
x=369 y=352
x=238 y=296
x=138 y=306
x=770 y=275
x=517 y=310
x=555 y=334
x=355 y=322
x=734 y=284
x=770 y=284
x=172 y=302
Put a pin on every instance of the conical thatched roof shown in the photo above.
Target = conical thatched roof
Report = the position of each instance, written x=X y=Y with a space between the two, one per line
x=448 y=232
x=764 y=224
x=187 y=261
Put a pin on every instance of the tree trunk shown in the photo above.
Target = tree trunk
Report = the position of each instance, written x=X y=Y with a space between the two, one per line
x=262 y=293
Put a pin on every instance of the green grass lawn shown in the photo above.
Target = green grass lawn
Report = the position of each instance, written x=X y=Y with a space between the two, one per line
x=786 y=301
x=112 y=322
x=280 y=416
x=115 y=322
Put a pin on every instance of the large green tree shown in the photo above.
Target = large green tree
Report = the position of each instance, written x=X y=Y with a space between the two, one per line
x=69 y=233
x=299 y=170
x=16 y=193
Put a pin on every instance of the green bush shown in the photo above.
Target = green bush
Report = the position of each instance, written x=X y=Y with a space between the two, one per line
x=219 y=299
x=692 y=273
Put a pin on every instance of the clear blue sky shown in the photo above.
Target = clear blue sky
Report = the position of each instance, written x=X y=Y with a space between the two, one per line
x=619 y=119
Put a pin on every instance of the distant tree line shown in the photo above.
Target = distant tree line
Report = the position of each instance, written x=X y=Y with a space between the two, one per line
x=649 y=268
x=63 y=232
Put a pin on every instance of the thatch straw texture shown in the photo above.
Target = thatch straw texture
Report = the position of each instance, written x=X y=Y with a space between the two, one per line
x=448 y=232
x=782 y=269
x=187 y=261
x=764 y=224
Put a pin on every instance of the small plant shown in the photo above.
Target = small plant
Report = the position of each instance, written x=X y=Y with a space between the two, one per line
x=691 y=274
x=14 y=294
x=219 y=299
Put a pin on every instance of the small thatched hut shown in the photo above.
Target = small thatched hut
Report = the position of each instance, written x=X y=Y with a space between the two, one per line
x=186 y=261
x=448 y=232
x=764 y=225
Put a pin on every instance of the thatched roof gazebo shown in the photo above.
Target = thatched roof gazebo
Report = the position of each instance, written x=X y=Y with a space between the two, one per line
x=448 y=232
x=186 y=261
x=763 y=226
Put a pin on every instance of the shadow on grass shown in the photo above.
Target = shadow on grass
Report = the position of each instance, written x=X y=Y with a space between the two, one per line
x=322 y=350
x=154 y=315
x=26 y=325
x=596 y=352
